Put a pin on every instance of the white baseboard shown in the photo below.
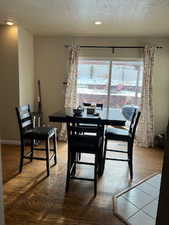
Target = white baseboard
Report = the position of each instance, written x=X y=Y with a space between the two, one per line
x=10 y=142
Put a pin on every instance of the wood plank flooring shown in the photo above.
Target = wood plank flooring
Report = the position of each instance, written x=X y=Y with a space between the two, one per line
x=31 y=198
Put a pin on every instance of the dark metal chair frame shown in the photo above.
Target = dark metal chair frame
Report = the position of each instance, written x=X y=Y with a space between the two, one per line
x=128 y=136
x=78 y=143
x=27 y=132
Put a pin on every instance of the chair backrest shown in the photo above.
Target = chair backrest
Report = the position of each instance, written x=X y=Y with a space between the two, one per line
x=134 y=122
x=127 y=111
x=98 y=105
x=24 y=118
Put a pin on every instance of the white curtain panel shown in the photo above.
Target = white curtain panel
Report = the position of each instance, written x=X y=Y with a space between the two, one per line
x=145 y=131
x=71 y=85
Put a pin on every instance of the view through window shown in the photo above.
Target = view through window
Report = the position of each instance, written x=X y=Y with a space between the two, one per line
x=112 y=83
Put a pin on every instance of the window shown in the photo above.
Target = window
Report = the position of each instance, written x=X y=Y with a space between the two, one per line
x=113 y=83
x=93 y=77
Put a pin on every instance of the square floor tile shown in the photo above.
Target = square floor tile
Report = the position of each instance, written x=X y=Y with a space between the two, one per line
x=151 y=209
x=144 y=197
x=149 y=189
x=155 y=181
x=141 y=218
x=125 y=208
x=138 y=197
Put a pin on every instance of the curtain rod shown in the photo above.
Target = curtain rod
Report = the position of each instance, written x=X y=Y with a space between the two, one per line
x=112 y=47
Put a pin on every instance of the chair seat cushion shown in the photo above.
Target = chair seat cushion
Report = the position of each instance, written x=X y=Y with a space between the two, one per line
x=40 y=133
x=85 y=143
x=117 y=134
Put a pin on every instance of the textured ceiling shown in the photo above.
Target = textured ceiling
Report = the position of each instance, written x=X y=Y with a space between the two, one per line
x=76 y=17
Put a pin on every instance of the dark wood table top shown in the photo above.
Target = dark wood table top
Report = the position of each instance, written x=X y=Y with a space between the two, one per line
x=112 y=117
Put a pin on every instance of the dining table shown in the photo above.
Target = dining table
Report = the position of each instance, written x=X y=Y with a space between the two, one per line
x=105 y=117
x=112 y=116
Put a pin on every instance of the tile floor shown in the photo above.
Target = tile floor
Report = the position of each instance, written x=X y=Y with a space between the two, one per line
x=138 y=206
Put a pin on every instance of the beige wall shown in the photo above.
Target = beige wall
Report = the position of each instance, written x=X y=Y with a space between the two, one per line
x=50 y=61
x=9 y=82
x=50 y=68
x=26 y=66
x=1 y=194
x=16 y=77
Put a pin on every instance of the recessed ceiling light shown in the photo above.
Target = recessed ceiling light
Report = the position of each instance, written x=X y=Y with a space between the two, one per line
x=98 y=22
x=10 y=23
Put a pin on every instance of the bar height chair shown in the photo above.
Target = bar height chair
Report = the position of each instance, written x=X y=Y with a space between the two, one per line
x=81 y=143
x=118 y=134
x=27 y=132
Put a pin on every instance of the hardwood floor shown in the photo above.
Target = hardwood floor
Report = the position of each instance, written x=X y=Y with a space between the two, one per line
x=32 y=198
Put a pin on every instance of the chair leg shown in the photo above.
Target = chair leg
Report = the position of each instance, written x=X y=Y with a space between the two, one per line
x=130 y=158
x=21 y=156
x=95 y=175
x=68 y=171
x=47 y=157
x=55 y=148
x=79 y=156
x=74 y=157
x=104 y=155
x=32 y=146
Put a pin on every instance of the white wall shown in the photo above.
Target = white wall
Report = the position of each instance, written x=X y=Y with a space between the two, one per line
x=26 y=66
x=50 y=68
